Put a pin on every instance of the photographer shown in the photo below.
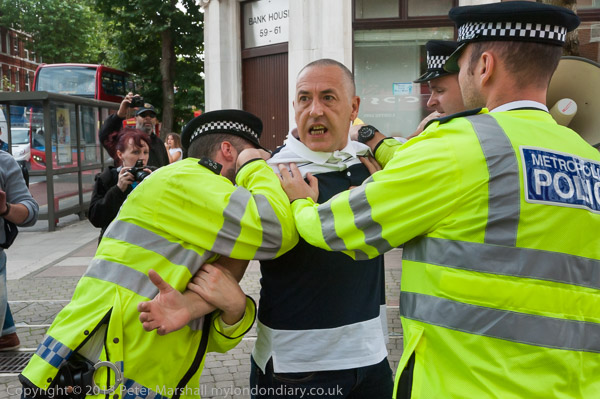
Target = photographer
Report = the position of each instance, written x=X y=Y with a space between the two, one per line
x=115 y=183
x=145 y=120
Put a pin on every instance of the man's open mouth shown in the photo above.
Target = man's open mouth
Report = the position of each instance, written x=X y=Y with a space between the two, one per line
x=317 y=130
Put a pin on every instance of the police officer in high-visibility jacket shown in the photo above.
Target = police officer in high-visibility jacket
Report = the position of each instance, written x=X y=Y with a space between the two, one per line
x=180 y=217
x=499 y=213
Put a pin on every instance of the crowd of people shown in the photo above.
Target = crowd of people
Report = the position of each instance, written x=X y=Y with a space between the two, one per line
x=498 y=295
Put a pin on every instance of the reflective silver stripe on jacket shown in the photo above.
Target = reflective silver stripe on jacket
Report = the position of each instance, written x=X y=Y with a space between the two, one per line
x=272 y=233
x=362 y=219
x=135 y=280
x=504 y=201
x=233 y=213
x=511 y=326
x=507 y=261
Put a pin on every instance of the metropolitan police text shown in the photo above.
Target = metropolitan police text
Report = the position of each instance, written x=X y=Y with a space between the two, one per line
x=561 y=179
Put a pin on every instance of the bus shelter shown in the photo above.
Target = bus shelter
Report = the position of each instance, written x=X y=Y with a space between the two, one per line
x=65 y=151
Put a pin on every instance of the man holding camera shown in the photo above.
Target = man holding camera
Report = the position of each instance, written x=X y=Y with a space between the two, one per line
x=145 y=119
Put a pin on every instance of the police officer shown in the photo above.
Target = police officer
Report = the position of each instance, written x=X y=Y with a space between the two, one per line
x=176 y=220
x=498 y=211
x=445 y=98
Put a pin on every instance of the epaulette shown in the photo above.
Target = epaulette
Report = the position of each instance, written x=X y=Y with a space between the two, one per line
x=447 y=118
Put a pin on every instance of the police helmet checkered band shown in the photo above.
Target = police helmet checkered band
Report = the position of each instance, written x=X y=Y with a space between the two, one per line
x=436 y=61
x=516 y=30
x=223 y=126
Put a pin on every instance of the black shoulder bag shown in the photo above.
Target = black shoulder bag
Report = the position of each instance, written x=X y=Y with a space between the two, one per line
x=10 y=231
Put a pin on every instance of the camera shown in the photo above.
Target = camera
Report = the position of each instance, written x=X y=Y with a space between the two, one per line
x=138 y=171
x=136 y=101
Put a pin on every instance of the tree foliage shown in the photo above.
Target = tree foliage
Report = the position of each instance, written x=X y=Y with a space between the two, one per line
x=161 y=43
x=62 y=30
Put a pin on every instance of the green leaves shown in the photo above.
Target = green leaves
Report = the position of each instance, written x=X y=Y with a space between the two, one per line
x=62 y=30
x=125 y=34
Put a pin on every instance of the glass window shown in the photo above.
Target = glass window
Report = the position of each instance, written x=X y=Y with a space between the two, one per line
x=385 y=64
x=377 y=9
x=587 y=4
x=426 y=8
x=589 y=40
x=17 y=80
x=75 y=80
x=90 y=147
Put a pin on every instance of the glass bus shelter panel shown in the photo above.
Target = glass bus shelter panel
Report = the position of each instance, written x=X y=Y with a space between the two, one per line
x=66 y=192
x=89 y=135
x=15 y=129
x=104 y=113
x=38 y=141
x=385 y=64
x=87 y=183
x=64 y=135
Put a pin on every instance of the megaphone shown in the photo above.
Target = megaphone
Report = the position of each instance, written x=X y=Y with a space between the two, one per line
x=573 y=97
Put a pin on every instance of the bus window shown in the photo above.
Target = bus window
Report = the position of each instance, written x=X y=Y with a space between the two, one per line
x=82 y=80
x=67 y=80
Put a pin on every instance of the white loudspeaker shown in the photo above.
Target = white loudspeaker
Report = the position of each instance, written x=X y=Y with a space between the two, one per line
x=574 y=97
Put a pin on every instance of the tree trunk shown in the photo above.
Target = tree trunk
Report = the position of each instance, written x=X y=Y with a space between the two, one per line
x=572 y=43
x=167 y=71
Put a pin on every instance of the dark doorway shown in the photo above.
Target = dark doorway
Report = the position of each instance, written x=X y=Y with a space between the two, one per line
x=265 y=90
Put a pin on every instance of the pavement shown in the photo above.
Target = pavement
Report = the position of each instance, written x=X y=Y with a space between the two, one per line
x=44 y=268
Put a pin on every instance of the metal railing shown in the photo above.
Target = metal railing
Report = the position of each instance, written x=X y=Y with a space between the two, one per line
x=65 y=150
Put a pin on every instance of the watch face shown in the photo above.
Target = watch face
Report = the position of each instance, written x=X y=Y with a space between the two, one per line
x=366 y=133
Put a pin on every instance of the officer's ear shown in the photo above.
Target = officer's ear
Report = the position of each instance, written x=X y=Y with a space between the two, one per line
x=228 y=151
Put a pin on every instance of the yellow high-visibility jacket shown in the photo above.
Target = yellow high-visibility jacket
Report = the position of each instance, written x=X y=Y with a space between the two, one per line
x=499 y=214
x=180 y=217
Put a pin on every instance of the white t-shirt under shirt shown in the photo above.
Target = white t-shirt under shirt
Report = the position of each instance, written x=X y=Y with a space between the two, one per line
x=173 y=151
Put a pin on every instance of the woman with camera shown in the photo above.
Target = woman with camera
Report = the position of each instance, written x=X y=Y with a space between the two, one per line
x=114 y=184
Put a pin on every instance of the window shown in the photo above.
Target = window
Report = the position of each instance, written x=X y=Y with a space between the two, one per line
x=27 y=81
x=17 y=80
x=15 y=41
x=377 y=9
x=386 y=61
x=587 y=4
x=401 y=9
x=427 y=8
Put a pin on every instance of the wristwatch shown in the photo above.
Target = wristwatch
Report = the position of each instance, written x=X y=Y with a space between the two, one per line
x=366 y=133
x=6 y=211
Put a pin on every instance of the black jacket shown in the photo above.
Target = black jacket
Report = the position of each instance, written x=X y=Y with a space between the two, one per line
x=107 y=199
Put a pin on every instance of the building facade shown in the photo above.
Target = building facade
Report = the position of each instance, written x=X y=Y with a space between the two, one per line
x=17 y=62
x=254 y=50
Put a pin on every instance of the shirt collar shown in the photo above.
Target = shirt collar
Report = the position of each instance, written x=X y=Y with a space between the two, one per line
x=520 y=104
x=352 y=149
